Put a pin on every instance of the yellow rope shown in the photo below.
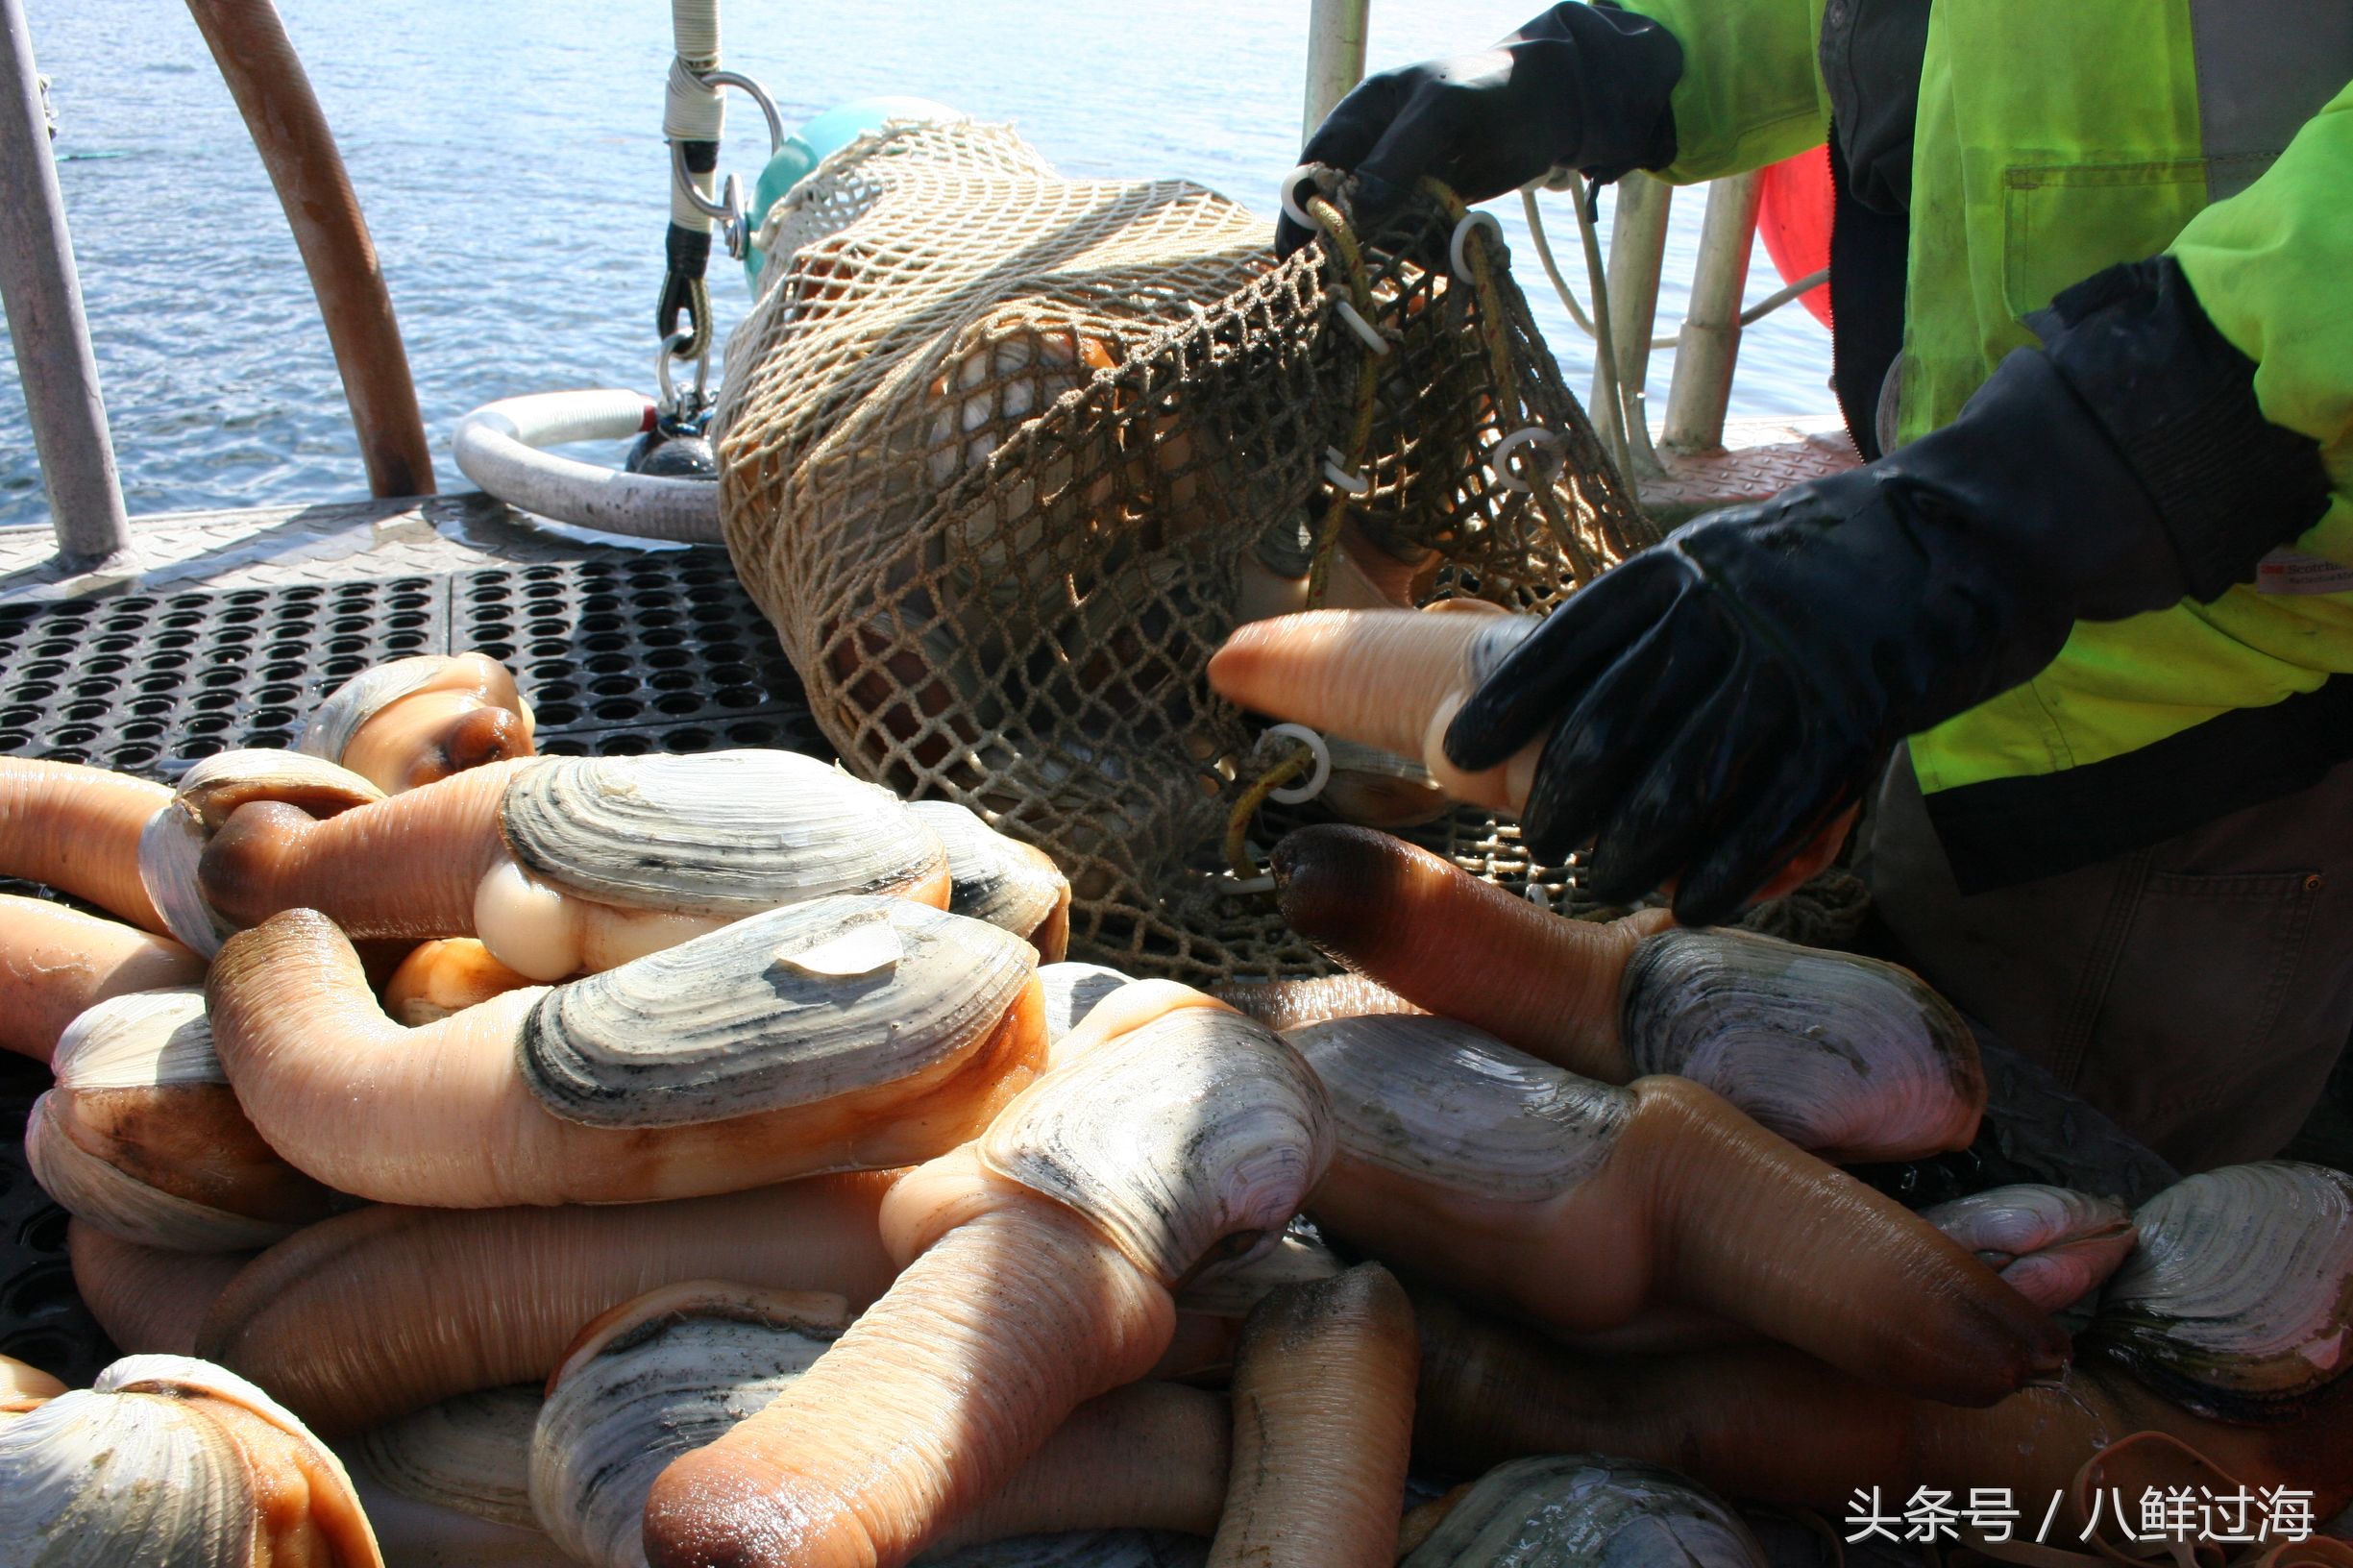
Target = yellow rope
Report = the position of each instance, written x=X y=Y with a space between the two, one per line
x=1246 y=807
x=1334 y=225
x=1496 y=336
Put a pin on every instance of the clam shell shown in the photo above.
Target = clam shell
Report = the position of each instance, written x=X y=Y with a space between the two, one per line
x=1846 y=1056
x=2238 y=1303
x=993 y=877
x=1071 y=990
x=726 y=833
x=139 y=1039
x=1586 y=1511
x=662 y=1375
x=93 y=1479
x=1381 y=789
x=128 y=1209
x=131 y=1471
x=1441 y=1102
x=171 y=847
x=788 y=1007
x=471 y=1454
x=1197 y=1131
x=1231 y=1291
x=2055 y=1245
x=367 y=693
x=213 y=789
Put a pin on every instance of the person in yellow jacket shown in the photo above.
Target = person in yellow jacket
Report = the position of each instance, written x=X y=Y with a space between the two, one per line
x=2082 y=623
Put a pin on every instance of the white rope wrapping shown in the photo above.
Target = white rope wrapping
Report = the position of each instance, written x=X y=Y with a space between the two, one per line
x=693 y=29
x=692 y=110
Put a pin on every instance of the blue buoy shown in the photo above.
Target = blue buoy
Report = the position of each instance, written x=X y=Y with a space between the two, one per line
x=827 y=133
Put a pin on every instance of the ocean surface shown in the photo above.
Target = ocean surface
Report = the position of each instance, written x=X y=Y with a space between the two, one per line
x=509 y=160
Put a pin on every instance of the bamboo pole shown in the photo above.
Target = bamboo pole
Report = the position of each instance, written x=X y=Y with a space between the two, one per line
x=46 y=325
x=1709 y=345
x=265 y=76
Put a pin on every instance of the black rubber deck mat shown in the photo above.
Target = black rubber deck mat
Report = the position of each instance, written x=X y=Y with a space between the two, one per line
x=655 y=652
x=651 y=653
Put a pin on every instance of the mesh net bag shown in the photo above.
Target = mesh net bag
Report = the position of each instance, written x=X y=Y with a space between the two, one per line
x=1005 y=456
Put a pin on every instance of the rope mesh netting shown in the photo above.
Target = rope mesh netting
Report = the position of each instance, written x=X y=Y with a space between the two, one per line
x=1006 y=455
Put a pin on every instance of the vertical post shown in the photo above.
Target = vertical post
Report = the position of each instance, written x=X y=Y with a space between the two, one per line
x=1709 y=346
x=1335 y=56
x=266 y=79
x=1637 y=258
x=45 y=322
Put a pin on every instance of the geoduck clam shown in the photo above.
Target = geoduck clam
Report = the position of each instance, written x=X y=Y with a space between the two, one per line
x=1492 y=1391
x=674 y=1370
x=562 y=865
x=444 y=976
x=449 y=1486
x=2053 y=1245
x=1071 y=991
x=1846 y=1056
x=2238 y=1303
x=1386 y=678
x=1395 y=680
x=166 y=1460
x=1001 y=880
x=469 y=1454
x=1577 y=1204
x=172 y=844
x=1580 y=1511
x=848 y=1032
x=409 y=722
x=370 y=1315
x=57 y=963
x=142 y=1138
x=1323 y=1426
x=77 y=829
x=150 y=1300
x=1043 y=1257
x=656 y=1377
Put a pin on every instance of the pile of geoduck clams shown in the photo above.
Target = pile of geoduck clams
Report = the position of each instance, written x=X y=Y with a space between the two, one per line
x=706 y=1160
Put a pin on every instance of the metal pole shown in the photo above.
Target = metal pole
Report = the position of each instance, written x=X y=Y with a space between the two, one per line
x=1637 y=257
x=1709 y=347
x=45 y=323
x=1335 y=56
x=265 y=77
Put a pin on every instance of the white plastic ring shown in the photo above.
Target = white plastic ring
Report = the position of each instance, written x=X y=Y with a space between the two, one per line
x=1298 y=793
x=1335 y=470
x=1289 y=192
x=1363 y=329
x=1457 y=261
x=1499 y=458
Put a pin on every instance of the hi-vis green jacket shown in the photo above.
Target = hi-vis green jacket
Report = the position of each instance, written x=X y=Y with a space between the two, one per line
x=2053 y=138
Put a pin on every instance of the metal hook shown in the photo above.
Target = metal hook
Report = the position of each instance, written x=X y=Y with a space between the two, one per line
x=669 y=350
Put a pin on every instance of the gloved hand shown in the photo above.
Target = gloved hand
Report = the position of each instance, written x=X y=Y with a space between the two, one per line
x=1581 y=87
x=1716 y=698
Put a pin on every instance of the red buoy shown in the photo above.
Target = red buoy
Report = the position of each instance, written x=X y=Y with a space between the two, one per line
x=1794 y=216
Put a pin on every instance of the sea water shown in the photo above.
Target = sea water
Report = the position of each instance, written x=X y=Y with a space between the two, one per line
x=509 y=160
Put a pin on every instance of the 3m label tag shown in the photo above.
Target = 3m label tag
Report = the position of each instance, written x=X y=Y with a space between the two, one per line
x=2287 y=572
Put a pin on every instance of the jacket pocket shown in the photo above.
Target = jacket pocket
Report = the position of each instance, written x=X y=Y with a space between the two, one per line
x=2189 y=1033
x=2063 y=222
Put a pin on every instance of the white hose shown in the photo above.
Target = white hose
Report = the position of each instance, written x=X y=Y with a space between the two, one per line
x=498 y=448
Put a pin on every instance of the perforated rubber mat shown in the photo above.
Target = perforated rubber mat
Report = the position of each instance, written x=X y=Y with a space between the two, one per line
x=643 y=653
x=655 y=652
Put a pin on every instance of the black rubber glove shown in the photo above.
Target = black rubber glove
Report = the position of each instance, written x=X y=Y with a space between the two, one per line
x=1716 y=699
x=1579 y=86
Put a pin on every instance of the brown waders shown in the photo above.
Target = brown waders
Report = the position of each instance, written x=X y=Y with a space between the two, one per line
x=2197 y=990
